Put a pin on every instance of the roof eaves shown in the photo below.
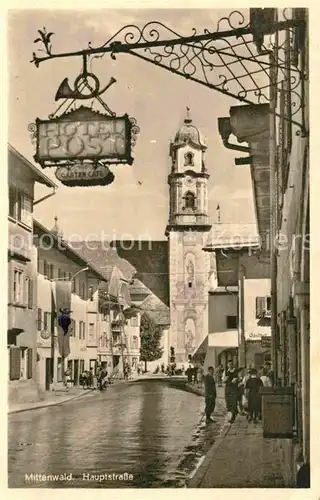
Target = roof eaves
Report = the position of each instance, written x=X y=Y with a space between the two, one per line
x=38 y=175
x=71 y=251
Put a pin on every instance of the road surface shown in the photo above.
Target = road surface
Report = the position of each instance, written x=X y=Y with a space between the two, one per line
x=143 y=434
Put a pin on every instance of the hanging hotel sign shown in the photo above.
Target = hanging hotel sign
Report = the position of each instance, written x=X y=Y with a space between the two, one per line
x=84 y=135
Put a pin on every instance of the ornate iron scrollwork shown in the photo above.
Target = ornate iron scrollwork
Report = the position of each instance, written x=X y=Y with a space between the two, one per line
x=233 y=59
x=32 y=128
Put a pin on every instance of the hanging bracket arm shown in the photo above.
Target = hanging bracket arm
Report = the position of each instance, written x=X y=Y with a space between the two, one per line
x=113 y=46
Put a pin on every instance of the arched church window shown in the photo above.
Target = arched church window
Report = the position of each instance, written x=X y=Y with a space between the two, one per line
x=190 y=200
x=188 y=159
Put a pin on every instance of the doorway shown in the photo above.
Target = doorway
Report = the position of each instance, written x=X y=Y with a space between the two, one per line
x=81 y=366
x=115 y=361
x=48 y=373
x=76 y=372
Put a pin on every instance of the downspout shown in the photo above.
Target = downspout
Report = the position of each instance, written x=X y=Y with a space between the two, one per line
x=225 y=131
x=242 y=343
x=235 y=147
x=273 y=205
x=45 y=197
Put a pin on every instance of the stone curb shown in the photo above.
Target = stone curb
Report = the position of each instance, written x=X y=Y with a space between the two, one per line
x=54 y=403
x=197 y=476
x=195 y=480
x=50 y=403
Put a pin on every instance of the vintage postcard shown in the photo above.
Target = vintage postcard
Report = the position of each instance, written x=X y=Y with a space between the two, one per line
x=158 y=317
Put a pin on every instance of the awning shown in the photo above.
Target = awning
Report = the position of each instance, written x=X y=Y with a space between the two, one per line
x=201 y=350
x=229 y=338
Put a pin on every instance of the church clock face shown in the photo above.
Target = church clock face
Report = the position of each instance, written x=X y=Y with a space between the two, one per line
x=189 y=181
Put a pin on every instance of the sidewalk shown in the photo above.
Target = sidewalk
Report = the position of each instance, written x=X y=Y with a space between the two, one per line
x=51 y=398
x=241 y=458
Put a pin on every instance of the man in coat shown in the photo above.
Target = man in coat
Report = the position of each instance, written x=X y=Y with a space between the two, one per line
x=210 y=394
x=231 y=380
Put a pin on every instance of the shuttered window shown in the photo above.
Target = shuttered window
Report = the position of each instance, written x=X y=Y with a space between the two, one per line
x=12 y=202
x=39 y=320
x=30 y=293
x=26 y=210
x=29 y=362
x=46 y=269
x=232 y=322
x=73 y=328
x=15 y=363
x=17 y=286
x=46 y=320
x=263 y=304
x=260 y=306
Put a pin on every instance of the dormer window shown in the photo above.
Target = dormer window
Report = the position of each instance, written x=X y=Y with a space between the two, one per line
x=188 y=159
x=190 y=200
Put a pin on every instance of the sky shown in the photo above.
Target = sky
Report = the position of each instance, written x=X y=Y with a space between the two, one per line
x=137 y=202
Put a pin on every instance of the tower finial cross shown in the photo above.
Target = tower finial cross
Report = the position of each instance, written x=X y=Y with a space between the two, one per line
x=188 y=118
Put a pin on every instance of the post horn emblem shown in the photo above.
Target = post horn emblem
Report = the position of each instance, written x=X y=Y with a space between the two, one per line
x=66 y=92
x=82 y=82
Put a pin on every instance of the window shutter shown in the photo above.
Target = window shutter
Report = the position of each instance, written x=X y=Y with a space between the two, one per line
x=30 y=294
x=39 y=319
x=260 y=306
x=45 y=320
x=29 y=362
x=19 y=206
x=12 y=201
x=15 y=363
x=26 y=215
x=73 y=328
x=40 y=265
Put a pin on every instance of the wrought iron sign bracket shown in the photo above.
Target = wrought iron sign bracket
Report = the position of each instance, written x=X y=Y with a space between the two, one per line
x=232 y=48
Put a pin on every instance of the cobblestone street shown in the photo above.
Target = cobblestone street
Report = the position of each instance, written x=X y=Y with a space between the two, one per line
x=145 y=429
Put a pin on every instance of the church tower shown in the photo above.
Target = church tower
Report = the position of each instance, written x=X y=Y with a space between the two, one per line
x=187 y=230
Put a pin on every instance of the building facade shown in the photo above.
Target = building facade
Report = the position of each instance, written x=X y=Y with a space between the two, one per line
x=22 y=278
x=187 y=231
x=223 y=338
x=279 y=158
x=239 y=310
x=56 y=262
x=257 y=317
x=118 y=328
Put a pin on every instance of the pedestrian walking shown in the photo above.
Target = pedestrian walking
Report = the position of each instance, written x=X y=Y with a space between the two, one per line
x=265 y=378
x=189 y=373
x=210 y=394
x=195 y=372
x=231 y=380
x=253 y=386
x=245 y=391
x=200 y=376
x=241 y=392
x=126 y=372
x=219 y=373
